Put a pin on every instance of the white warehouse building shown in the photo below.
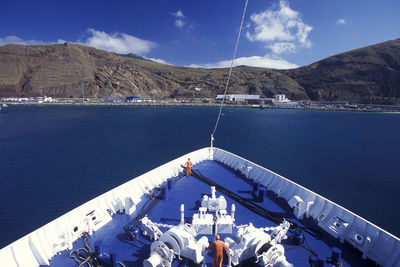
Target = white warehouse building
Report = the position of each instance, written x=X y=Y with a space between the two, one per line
x=281 y=98
x=238 y=98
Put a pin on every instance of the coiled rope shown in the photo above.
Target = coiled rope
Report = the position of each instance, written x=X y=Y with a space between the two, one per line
x=230 y=70
x=85 y=256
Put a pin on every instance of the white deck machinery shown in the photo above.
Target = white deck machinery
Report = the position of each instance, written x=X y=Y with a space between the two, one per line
x=262 y=244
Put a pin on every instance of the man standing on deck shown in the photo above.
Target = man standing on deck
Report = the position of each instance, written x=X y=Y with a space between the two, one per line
x=218 y=251
x=188 y=165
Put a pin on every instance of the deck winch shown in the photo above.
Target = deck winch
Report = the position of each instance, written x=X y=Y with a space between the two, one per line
x=219 y=222
x=262 y=244
x=256 y=242
x=174 y=243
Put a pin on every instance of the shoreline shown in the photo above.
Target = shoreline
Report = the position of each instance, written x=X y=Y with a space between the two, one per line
x=174 y=104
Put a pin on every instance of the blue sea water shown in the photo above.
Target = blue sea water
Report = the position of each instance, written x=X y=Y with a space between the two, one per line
x=52 y=159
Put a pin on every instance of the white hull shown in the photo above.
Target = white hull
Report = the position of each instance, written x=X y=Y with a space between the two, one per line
x=38 y=247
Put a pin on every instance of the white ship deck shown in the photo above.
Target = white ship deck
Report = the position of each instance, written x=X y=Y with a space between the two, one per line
x=325 y=225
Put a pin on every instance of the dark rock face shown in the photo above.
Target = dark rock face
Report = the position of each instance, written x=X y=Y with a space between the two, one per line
x=366 y=74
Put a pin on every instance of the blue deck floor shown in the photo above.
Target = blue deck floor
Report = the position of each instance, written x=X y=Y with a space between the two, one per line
x=189 y=191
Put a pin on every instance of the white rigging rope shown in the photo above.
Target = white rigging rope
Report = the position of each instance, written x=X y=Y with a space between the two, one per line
x=230 y=72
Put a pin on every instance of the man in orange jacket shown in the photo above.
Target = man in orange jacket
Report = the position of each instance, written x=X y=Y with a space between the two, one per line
x=188 y=165
x=218 y=251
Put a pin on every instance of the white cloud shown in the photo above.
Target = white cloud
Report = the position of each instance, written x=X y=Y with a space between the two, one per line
x=121 y=43
x=180 y=19
x=282 y=47
x=341 y=21
x=158 y=60
x=16 y=40
x=179 y=23
x=267 y=61
x=178 y=14
x=281 y=29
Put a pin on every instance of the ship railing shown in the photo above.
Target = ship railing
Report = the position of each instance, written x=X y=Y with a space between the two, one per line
x=374 y=242
x=38 y=247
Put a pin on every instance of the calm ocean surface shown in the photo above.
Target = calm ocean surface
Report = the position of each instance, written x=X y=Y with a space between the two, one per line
x=53 y=159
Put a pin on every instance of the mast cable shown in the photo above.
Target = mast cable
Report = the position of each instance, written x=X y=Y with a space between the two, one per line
x=230 y=70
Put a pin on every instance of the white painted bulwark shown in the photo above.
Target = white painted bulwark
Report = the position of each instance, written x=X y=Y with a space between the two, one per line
x=382 y=247
x=38 y=247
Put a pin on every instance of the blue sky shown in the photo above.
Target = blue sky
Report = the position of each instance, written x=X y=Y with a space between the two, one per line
x=276 y=33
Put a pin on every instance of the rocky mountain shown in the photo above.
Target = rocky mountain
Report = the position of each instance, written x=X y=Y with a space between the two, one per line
x=130 y=55
x=66 y=70
x=368 y=74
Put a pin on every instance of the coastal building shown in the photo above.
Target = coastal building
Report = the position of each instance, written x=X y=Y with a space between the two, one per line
x=249 y=99
x=281 y=99
x=29 y=100
x=48 y=99
x=200 y=100
x=10 y=99
x=268 y=101
x=288 y=104
x=133 y=99
x=113 y=100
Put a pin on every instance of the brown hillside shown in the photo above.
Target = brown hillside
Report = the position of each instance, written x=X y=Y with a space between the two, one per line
x=62 y=70
x=369 y=74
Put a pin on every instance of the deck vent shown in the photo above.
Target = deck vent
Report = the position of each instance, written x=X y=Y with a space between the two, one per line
x=109 y=212
x=242 y=168
x=75 y=229
x=339 y=228
x=321 y=217
x=333 y=229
